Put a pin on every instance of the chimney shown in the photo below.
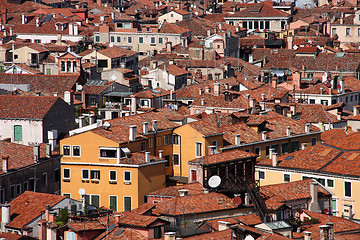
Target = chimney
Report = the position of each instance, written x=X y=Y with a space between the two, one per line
x=4 y=16
x=293 y=109
x=303 y=146
x=48 y=150
x=307 y=235
x=154 y=64
x=324 y=232
x=5 y=215
x=168 y=46
x=147 y=157
x=274 y=82
x=252 y=102
x=288 y=132
x=251 y=58
x=209 y=32
x=23 y=18
x=133 y=104
x=247 y=199
x=356 y=110
x=68 y=97
x=71 y=28
x=81 y=121
x=92 y=119
x=222 y=225
x=132 y=132
x=161 y=153
x=200 y=91
x=59 y=37
x=342 y=85
x=145 y=127
x=321 y=126
x=102 y=19
x=314 y=204
x=202 y=102
x=183 y=192
x=263 y=135
x=237 y=140
x=262 y=106
x=271 y=151
x=11 y=31
x=36 y=151
x=274 y=159
x=169 y=236
x=38 y=22
x=5 y=163
x=52 y=137
x=154 y=125
x=289 y=42
x=307 y=128
x=207 y=89
x=113 y=15
x=217 y=89
x=47 y=212
x=331 y=230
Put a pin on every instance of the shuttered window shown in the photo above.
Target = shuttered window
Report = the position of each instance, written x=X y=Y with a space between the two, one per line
x=17 y=133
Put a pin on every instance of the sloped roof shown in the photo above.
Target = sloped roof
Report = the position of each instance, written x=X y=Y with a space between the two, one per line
x=25 y=107
x=173 y=191
x=258 y=11
x=223 y=157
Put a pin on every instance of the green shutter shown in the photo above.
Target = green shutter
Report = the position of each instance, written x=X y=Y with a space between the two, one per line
x=17 y=133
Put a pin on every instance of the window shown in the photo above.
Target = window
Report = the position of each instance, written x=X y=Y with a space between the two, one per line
x=193 y=175
x=119 y=25
x=141 y=40
x=152 y=40
x=157 y=232
x=284 y=148
x=176 y=159
x=176 y=139
x=167 y=158
x=267 y=25
x=198 y=149
x=108 y=153
x=351 y=98
x=66 y=150
x=95 y=174
x=330 y=183
x=37 y=41
x=17 y=133
x=257 y=151
x=333 y=31
x=48 y=71
x=256 y=24
x=44 y=180
x=347 y=191
x=312 y=101
x=151 y=142
x=347 y=33
x=165 y=140
x=294 y=146
x=127 y=176
x=261 y=24
x=18 y=189
x=160 y=40
x=276 y=148
x=97 y=38
x=113 y=202
x=313 y=141
x=158 y=141
x=70 y=235
x=76 y=151
x=245 y=24
x=250 y=25
x=112 y=175
x=261 y=174
x=127 y=25
x=95 y=200
x=170 y=139
x=142 y=146
x=334 y=207
x=112 y=39
x=12 y=191
x=127 y=203
x=267 y=150
x=286 y=177
x=129 y=39
x=103 y=63
x=25 y=186
x=85 y=174
x=118 y=39
x=31 y=184
x=66 y=173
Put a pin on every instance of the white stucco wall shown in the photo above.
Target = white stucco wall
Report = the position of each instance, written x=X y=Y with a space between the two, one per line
x=32 y=130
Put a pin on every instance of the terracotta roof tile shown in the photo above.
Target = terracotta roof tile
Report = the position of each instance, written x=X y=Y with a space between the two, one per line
x=223 y=157
x=173 y=191
x=116 y=52
x=136 y=220
x=85 y=226
x=260 y=10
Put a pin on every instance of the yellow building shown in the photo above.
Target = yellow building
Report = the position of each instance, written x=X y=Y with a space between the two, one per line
x=334 y=165
x=113 y=164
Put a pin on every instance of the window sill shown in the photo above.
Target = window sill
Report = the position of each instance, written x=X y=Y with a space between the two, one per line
x=127 y=183
x=66 y=180
x=85 y=180
x=95 y=180
x=113 y=182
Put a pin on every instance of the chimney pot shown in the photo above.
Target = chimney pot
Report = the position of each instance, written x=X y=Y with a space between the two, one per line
x=217 y=89
x=5 y=163
x=303 y=146
x=147 y=157
x=314 y=204
x=263 y=135
x=307 y=128
x=237 y=140
x=36 y=151
x=145 y=127
x=307 y=235
x=5 y=215
x=275 y=159
x=154 y=125
x=223 y=225
x=132 y=132
x=288 y=132
x=183 y=192
x=161 y=153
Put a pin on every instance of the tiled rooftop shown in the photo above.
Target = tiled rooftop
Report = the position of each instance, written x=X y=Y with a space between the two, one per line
x=223 y=157
x=173 y=191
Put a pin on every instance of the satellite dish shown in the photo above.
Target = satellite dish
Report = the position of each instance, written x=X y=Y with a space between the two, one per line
x=214 y=181
x=295 y=47
x=81 y=191
x=79 y=87
x=106 y=125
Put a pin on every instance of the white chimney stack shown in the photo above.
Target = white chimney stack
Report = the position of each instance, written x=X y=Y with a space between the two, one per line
x=68 y=97
x=23 y=18
x=307 y=235
x=303 y=146
x=356 y=110
x=5 y=163
x=307 y=128
x=263 y=135
x=161 y=153
x=133 y=104
x=154 y=125
x=132 y=132
x=274 y=159
x=91 y=119
x=145 y=127
x=223 y=225
x=237 y=139
x=314 y=204
x=81 y=121
x=288 y=132
x=251 y=58
x=5 y=216
x=38 y=22
x=48 y=150
x=217 y=89
x=76 y=29
x=52 y=137
x=36 y=150
x=147 y=157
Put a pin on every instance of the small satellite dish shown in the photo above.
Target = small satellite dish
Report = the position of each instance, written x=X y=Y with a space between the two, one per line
x=106 y=125
x=214 y=181
x=79 y=87
x=295 y=47
x=81 y=191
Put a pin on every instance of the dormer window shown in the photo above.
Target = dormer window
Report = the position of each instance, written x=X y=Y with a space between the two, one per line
x=119 y=25
x=59 y=26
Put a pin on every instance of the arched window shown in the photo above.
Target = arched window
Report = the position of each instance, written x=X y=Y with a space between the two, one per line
x=62 y=66
x=74 y=66
x=68 y=66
